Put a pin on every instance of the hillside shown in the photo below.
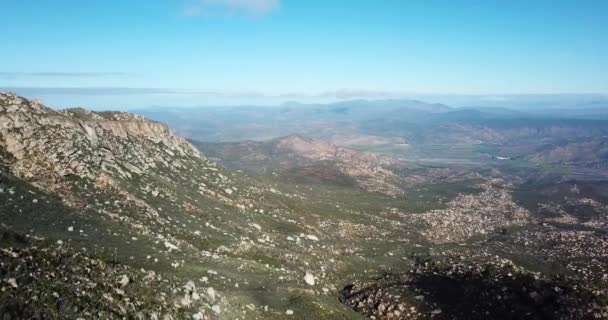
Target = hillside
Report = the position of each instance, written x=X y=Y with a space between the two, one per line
x=110 y=215
x=585 y=153
x=115 y=185
x=304 y=159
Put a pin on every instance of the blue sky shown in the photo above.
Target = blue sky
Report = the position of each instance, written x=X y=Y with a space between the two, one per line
x=197 y=52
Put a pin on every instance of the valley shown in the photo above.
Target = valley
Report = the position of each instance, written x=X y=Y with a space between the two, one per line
x=113 y=215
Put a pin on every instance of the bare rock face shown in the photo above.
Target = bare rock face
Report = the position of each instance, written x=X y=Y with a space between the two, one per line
x=48 y=143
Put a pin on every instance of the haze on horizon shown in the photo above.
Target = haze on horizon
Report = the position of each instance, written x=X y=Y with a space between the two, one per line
x=205 y=52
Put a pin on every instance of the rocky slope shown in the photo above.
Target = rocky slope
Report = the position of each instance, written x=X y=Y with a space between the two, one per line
x=453 y=288
x=306 y=159
x=586 y=153
x=103 y=182
x=130 y=197
x=470 y=215
x=107 y=215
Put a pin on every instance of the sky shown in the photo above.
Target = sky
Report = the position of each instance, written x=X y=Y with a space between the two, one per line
x=138 y=53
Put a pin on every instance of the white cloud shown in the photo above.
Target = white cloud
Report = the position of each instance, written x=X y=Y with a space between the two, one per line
x=4 y=74
x=253 y=7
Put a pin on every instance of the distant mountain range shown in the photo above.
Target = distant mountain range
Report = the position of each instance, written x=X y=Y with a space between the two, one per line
x=408 y=129
x=304 y=159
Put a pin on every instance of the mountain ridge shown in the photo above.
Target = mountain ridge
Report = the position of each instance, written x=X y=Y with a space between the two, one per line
x=297 y=156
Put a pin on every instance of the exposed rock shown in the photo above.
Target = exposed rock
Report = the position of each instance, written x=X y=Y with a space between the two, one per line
x=124 y=280
x=312 y=237
x=472 y=215
x=309 y=278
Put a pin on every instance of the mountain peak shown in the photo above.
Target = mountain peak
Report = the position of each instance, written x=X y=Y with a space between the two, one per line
x=12 y=103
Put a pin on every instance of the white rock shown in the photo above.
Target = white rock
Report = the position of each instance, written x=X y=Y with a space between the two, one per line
x=124 y=280
x=309 y=279
x=216 y=309
x=12 y=282
x=198 y=316
x=228 y=190
x=71 y=229
x=257 y=226
x=312 y=237
x=211 y=293
x=289 y=312
x=170 y=246
x=185 y=301
x=190 y=286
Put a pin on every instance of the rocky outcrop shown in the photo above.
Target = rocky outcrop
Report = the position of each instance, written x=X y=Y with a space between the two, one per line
x=48 y=143
x=472 y=215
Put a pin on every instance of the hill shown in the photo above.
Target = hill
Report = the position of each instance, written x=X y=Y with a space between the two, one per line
x=304 y=159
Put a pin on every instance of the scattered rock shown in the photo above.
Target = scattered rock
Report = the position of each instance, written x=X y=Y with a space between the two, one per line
x=309 y=278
